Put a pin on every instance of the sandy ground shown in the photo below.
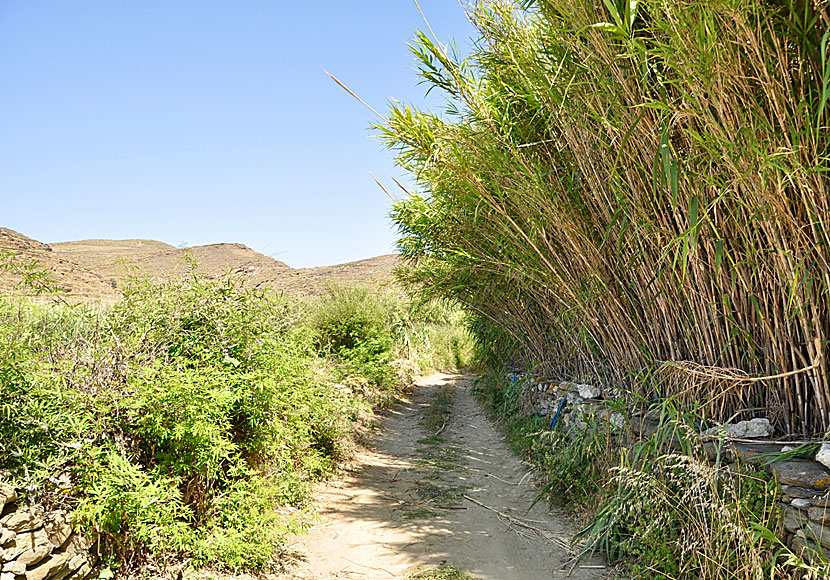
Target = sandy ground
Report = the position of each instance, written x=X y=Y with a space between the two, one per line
x=367 y=529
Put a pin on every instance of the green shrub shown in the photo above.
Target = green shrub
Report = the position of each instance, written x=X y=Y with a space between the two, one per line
x=353 y=325
x=188 y=420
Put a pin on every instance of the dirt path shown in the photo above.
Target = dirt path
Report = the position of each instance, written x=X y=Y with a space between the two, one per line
x=403 y=506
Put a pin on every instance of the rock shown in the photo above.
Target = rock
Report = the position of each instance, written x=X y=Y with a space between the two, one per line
x=58 y=528
x=818 y=533
x=787 y=448
x=794 y=519
x=823 y=455
x=6 y=536
x=77 y=544
x=51 y=567
x=795 y=491
x=752 y=429
x=24 y=542
x=7 y=495
x=34 y=556
x=801 y=473
x=615 y=419
x=753 y=453
x=821 y=500
x=14 y=567
x=23 y=520
x=804 y=546
x=589 y=391
x=820 y=515
x=801 y=503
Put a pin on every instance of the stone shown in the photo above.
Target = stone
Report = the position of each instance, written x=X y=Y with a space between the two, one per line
x=81 y=573
x=58 y=528
x=14 y=567
x=787 y=448
x=753 y=429
x=801 y=503
x=820 y=515
x=818 y=533
x=24 y=542
x=795 y=491
x=6 y=536
x=589 y=391
x=821 y=500
x=801 y=473
x=823 y=455
x=753 y=453
x=803 y=546
x=794 y=519
x=76 y=545
x=7 y=495
x=50 y=567
x=22 y=521
x=34 y=556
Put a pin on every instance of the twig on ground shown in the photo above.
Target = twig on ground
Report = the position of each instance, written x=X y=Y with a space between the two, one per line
x=550 y=536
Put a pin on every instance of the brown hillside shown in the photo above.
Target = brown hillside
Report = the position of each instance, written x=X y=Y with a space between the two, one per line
x=94 y=269
x=373 y=272
x=118 y=259
x=74 y=280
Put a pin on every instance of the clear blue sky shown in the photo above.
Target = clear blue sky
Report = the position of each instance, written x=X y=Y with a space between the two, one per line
x=207 y=121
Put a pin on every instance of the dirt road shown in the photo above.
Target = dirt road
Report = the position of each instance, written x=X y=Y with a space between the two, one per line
x=414 y=501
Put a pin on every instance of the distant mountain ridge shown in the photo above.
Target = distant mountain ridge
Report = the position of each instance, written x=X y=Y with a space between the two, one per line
x=94 y=269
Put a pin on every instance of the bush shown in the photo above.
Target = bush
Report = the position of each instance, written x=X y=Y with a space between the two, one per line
x=352 y=324
x=188 y=419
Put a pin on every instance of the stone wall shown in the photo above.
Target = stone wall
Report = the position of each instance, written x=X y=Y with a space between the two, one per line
x=40 y=545
x=805 y=483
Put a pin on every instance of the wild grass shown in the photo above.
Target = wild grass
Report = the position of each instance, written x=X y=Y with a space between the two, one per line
x=626 y=186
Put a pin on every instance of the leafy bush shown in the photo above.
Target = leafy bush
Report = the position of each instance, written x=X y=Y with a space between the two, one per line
x=353 y=325
x=188 y=419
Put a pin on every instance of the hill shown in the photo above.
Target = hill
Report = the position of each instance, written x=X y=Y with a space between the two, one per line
x=76 y=282
x=93 y=269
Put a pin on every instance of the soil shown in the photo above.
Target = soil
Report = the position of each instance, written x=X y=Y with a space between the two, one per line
x=405 y=504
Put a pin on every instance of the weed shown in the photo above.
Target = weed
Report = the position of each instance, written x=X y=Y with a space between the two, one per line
x=441 y=573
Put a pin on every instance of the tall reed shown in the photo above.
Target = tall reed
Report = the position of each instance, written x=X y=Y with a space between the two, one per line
x=635 y=185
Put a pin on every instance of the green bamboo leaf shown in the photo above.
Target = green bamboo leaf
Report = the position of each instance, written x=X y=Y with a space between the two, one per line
x=694 y=204
x=718 y=256
x=615 y=14
x=632 y=12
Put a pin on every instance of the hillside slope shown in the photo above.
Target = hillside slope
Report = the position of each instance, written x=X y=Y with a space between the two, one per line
x=74 y=280
x=94 y=269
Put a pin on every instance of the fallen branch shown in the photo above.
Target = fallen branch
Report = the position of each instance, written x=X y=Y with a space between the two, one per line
x=557 y=539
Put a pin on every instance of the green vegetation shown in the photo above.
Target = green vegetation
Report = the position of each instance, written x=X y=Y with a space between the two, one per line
x=441 y=573
x=627 y=186
x=190 y=419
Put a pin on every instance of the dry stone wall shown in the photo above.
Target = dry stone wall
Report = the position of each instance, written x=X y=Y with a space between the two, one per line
x=40 y=545
x=805 y=502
